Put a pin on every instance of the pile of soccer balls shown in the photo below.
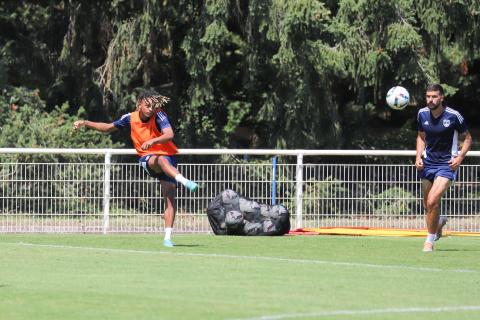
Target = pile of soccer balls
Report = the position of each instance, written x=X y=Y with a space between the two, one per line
x=398 y=98
x=231 y=214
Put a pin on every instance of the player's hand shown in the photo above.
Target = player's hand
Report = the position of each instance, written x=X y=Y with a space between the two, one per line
x=147 y=144
x=455 y=162
x=419 y=164
x=77 y=124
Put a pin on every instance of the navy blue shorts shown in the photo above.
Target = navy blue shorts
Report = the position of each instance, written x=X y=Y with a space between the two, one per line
x=430 y=172
x=143 y=161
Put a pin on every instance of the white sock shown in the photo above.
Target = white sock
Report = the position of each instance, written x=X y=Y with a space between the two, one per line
x=431 y=237
x=181 y=179
x=168 y=233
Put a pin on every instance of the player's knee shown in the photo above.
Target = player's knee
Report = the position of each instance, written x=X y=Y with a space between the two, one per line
x=432 y=204
x=163 y=163
x=151 y=161
x=170 y=209
x=153 y=164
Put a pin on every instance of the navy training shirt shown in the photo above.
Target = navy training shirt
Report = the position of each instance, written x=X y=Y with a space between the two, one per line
x=161 y=120
x=441 y=134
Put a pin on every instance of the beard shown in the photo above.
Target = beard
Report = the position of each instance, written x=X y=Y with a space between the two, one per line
x=433 y=106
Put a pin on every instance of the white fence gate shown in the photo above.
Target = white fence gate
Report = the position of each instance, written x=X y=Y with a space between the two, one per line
x=104 y=190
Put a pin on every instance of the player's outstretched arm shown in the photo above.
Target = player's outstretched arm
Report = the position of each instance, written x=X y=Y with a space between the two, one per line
x=99 y=126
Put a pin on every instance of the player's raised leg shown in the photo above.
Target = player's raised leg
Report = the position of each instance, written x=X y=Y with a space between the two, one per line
x=163 y=163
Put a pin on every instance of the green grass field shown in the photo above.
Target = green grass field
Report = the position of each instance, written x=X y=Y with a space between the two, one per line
x=212 y=277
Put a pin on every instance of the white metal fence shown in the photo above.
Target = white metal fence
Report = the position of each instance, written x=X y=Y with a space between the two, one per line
x=100 y=191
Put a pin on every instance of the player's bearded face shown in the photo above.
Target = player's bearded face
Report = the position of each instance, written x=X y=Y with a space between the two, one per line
x=434 y=99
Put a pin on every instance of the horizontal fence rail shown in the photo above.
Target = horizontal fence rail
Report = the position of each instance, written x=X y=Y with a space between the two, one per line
x=97 y=190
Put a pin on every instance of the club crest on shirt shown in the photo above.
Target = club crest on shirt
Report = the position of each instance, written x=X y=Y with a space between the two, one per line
x=446 y=123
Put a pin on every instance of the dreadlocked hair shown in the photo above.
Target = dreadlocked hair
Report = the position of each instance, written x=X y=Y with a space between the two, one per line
x=154 y=98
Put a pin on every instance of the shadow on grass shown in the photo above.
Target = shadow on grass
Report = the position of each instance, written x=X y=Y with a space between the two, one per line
x=188 y=245
x=458 y=250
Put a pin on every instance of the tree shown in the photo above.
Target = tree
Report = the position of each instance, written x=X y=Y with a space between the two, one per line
x=247 y=73
x=26 y=123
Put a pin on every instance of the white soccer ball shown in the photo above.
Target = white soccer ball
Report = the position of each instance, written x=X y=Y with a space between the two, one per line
x=279 y=212
x=251 y=209
x=233 y=218
x=252 y=228
x=268 y=226
x=229 y=196
x=398 y=98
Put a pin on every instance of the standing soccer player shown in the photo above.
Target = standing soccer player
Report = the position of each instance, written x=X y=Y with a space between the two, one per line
x=438 y=158
x=152 y=135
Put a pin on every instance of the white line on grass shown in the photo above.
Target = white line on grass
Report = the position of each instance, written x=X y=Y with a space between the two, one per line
x=228 y=256
x=365 y=312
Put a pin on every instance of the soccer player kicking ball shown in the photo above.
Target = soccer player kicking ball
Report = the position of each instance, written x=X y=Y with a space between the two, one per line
x=437 y=158
x=152 y=136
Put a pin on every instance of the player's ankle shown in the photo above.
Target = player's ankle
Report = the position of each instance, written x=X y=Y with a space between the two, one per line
x=431 y=237
x=168 y=233
x=181 y=179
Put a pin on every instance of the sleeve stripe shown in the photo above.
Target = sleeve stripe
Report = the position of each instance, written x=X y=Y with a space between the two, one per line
x=420 y=111
x=161 y=116
x=456 y=113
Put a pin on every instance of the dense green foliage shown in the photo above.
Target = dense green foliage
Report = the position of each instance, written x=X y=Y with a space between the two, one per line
x=25 y=123
x=243 y=73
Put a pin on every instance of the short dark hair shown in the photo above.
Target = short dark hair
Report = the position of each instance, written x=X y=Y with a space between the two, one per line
x=435 y=87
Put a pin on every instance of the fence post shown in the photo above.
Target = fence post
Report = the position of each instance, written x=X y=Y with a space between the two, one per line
x=106 y=191
x=274 y=181
x=299 y=191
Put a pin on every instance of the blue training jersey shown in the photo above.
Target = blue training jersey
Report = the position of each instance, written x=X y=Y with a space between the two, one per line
x=161 y=121
x=441 y=134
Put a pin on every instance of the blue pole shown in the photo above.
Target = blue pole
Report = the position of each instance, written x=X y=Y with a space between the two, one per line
x=274 y=181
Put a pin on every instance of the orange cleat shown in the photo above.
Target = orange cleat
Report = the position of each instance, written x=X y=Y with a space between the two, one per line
x=428 y=247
